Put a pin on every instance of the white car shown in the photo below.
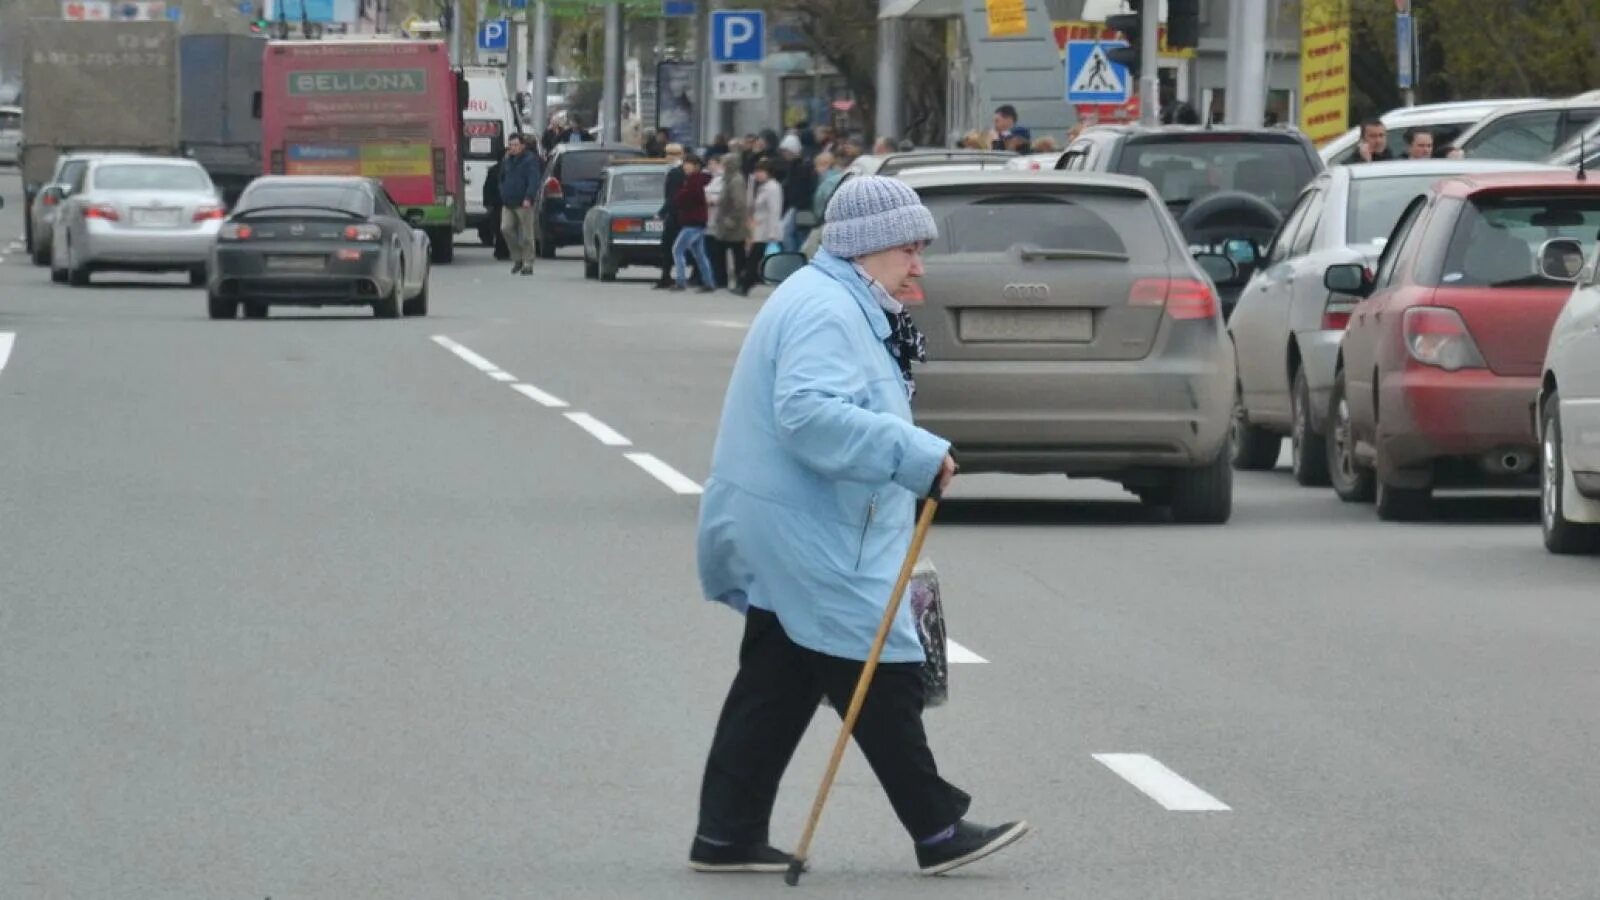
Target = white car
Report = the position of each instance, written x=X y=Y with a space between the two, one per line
x=136 y=214
x=1446 y=120
x=10 y=134
x=1568 y=408
x=488 y=122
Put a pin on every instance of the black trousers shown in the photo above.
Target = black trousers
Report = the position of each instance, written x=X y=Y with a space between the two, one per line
x=752 y=263
x=737 y=275
x=717 y=252
x=773 y=698
x=669 y=236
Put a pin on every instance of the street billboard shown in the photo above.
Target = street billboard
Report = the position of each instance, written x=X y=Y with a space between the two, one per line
x=1324 y=68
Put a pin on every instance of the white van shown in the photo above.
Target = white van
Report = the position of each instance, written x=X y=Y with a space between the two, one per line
x=489 y=119
x=10 y=134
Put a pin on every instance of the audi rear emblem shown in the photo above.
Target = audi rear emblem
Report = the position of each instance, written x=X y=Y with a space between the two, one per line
x=1027 y=291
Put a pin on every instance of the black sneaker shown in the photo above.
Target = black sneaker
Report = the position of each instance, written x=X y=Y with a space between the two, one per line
x=527 y=270
x=708 y=857
x=970 y=843
x=661 y=286
x=516 y=268
x=706 y=290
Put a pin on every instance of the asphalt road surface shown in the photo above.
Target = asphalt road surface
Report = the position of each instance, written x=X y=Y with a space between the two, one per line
x=330 y=607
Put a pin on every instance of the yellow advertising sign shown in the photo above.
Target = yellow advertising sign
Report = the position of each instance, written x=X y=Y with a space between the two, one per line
x=395 y=160
x=1007 y=18
x=1324 y=69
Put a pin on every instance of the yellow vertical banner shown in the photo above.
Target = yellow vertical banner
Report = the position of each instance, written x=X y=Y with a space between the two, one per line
x=1007 y=18
x=1324 y=68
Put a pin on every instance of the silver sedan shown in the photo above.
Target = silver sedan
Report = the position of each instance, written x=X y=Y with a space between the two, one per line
x=1287 y=326
x=136 y=214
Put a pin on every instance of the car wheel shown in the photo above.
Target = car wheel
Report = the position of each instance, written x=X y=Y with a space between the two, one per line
x=1204 y=496
x=1254 y=448
x=221 y=307
x=486 y=235
x=1353 y=482
x=255 y=310
x=197 y=276
x=388 y=307
x=543 y=248
x=1307 y=449
x=608 y=266
x=1403 y=504
x=41 y=254
x=1560 y=536
x=418 y=305
x=59 y=276
x=591 y=267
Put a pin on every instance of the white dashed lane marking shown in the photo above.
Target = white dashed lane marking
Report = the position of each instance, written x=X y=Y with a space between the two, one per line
x=7 y=340
x=678 y=482
x=539 y=397
x=602 y=432
x=1160 y=783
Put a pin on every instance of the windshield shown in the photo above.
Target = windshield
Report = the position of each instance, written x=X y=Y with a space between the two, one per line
x=586 y=165
x=334 y=196
x=628 y=187
x=1185 y=170
x=135 y=177
x=1497 y=240
x=986 y=221
x=1376 y=204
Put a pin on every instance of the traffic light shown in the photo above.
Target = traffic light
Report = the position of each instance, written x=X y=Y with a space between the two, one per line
x=1183 y=24
x=1132 y=27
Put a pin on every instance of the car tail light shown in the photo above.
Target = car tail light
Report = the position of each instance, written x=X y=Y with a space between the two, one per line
x=1335 y=319
x=362 y=233
x=619 y=226
x=1182 y=298
x=1437 y=336
x=552 y=189
x=102 y=211
x=233 y=231
x=207 y=213
x=49 y=199
x=348 y=255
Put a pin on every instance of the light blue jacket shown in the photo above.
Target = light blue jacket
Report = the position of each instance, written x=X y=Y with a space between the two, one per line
x=808 y=511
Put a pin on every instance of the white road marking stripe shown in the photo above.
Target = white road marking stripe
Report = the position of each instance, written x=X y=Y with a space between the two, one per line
x=472 y=359
x=956 y=653
x=667 y=475
x=539 y=397
x=6 y=340
x=724 y=323
x=1163 y=785
x=602 y=432
x=500 y=376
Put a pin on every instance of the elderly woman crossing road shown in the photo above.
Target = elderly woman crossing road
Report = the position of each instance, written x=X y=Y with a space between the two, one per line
x=805 y=520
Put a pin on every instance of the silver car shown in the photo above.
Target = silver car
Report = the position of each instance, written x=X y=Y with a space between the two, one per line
x=136 y=214
x=1568 y=408
x=1287 y=326
x=48 y=201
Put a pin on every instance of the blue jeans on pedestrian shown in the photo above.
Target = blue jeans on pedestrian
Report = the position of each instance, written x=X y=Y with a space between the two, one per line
x=692 y=239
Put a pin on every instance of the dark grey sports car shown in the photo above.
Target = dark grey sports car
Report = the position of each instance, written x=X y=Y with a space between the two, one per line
x=623 y=228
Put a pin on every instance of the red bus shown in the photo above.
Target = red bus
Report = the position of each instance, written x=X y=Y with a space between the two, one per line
x=381 y=108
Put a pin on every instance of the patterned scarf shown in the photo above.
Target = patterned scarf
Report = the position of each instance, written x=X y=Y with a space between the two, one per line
x=905 y=343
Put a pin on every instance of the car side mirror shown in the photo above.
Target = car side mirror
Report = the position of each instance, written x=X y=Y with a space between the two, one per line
x=1242 y=251
x=779 y=266
x=414 y=217
x=1347 y=278
x=1561 y=259
x=1219 y=268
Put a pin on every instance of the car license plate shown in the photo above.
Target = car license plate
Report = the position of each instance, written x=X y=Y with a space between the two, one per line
x=155 y=216
x=654 y=225
x=296 y=263
x=1027 y=325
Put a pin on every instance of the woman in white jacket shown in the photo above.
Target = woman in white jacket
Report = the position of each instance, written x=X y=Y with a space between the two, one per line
x=766 y=219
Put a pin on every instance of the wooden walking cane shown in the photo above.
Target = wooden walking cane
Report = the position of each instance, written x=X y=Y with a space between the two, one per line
x=792 y=877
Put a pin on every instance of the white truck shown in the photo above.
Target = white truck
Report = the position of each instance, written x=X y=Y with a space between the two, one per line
x=489 y=119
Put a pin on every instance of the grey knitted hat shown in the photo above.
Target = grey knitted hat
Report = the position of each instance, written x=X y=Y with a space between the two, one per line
x=869 y=213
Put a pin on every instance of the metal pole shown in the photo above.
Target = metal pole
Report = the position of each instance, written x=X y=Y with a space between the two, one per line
x=1235 y=61
x=891 y=59
x=1249 y=109
x=517 y=58
x=1150 y=65
x=539 y=87
x=702 y=58
x=611 y=80
x=455 y=31
x=477 y=55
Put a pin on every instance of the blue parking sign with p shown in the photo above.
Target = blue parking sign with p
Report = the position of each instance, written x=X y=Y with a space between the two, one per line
x=493 y=35
x=738 y=35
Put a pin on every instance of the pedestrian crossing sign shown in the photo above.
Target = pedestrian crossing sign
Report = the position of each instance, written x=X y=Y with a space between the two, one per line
x=1091 y=75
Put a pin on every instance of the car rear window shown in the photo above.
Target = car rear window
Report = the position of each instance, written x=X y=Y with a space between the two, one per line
x=990 y=221
x=135 y=177
x=586 y=165
x=334 y=196
x=629 y=187
x=1376 y=204
x=1497 y=238
x=1185 y=170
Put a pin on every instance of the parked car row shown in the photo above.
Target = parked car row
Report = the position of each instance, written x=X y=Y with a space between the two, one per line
x=289 y=240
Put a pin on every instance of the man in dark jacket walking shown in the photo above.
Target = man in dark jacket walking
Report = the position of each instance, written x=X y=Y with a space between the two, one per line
x=669 y=214
x=519 y=185
x=492 y=210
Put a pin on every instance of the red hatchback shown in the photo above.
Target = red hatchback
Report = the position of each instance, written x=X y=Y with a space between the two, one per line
x=1441 y=361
